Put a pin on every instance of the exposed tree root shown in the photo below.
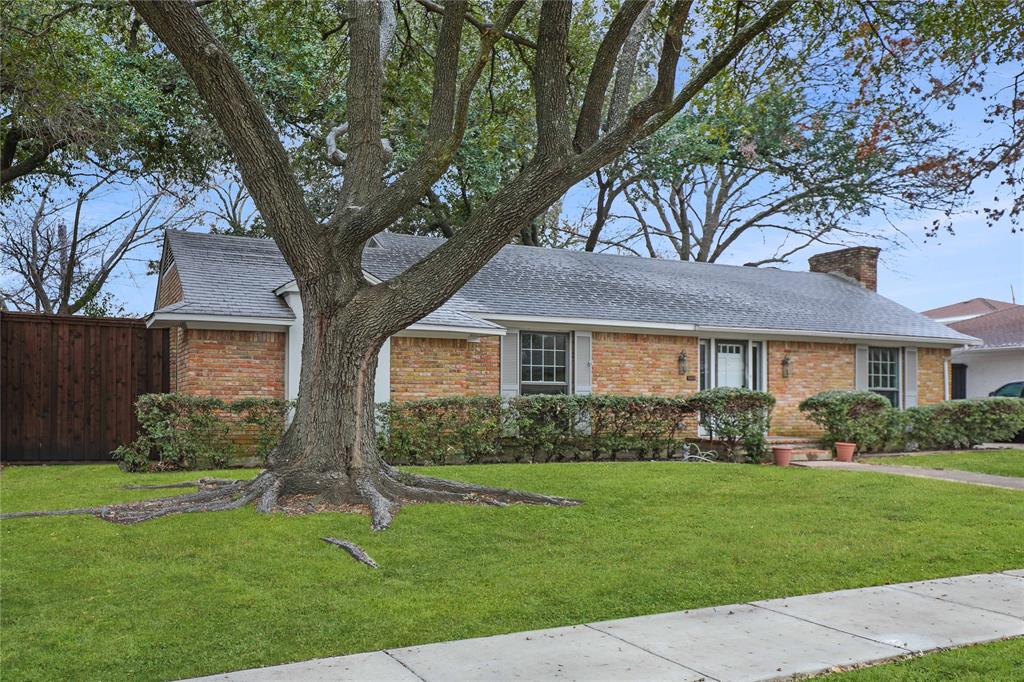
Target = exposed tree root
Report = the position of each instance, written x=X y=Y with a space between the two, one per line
x=57 y=512
x=353 y=549
x=198 y=483
x=383 y=494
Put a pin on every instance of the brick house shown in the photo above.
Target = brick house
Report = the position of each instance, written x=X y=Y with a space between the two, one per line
x=556 y=321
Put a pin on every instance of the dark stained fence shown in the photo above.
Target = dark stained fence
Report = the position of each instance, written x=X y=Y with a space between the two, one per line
x=68 y=385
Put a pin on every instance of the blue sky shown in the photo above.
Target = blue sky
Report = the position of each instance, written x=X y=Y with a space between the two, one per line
x=920 y=273
x=925 y=273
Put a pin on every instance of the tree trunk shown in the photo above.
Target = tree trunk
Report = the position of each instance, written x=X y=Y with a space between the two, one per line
x=329 y=449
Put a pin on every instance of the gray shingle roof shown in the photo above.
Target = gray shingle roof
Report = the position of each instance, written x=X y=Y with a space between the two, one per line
x=222 y=275
x=1000 y=329
x=237 y=276
x=233 y=275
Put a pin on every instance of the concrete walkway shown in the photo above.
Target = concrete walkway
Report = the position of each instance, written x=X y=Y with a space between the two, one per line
x=764 y=640
x=954 y=475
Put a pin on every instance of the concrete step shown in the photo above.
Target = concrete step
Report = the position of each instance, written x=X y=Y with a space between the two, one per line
x=799 y=441
x=810 y=454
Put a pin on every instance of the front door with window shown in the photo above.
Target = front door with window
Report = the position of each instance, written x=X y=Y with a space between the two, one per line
x=730 y=364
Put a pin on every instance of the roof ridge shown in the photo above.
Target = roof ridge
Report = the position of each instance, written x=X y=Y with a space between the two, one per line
x=671 y=262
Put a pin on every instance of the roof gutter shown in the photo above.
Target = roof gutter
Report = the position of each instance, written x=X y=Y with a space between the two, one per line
x=669 y=328
x=159 y=320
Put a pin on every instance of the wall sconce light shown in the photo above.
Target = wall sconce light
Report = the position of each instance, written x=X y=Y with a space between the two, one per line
x=684 y=363
x=787 y=363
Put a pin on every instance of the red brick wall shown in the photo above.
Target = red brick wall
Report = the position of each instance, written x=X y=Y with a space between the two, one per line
x=858 y=262
x=931 y=379
x=440 y=368
x=814 y=367
x=642 y=364
x=233 y=364
x=168 y=293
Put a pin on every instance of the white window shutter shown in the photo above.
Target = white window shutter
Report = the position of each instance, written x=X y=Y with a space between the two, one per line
x=582 y=377
x=861 y=369
x=510 y=363
x=910 y=377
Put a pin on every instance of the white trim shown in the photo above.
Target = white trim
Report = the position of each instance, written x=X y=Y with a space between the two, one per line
x=947 y=368
x=292 y=286
x=382 y=378
x=694 y=329
x=992 y=349
x=439 y=331
x=570 y=323
x=160 y=320
x=293 y=351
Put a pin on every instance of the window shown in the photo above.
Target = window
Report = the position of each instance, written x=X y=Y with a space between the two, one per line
x=755 y=365
x=884 y=373
x=705 y=365
x=543 y=363
x=1009 y=390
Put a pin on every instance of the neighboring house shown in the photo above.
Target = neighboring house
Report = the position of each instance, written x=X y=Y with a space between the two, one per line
x=999 y=360
x=965 y=310
x=537 y=320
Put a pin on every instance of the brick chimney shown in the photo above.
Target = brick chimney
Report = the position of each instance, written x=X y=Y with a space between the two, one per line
x=858 y=262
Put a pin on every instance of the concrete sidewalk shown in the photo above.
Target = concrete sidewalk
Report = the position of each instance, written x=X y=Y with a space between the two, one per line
x=763 y=640
x=954 y=475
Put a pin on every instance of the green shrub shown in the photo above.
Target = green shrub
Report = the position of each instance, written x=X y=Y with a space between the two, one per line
x=574 y=427
x=738 y=417
x=544 y=428
x=266 y=416
x=538 y=428
x=873 y=424
x=440 y=431
x=181 y=431
x=959 y=424
x=860 y=417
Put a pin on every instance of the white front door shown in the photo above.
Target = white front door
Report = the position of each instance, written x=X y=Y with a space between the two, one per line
x=730 y=365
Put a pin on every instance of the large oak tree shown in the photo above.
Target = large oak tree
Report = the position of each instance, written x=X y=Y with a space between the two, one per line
x=329 y=449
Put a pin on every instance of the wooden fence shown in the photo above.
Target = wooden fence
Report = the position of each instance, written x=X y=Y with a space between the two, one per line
x=68 y=385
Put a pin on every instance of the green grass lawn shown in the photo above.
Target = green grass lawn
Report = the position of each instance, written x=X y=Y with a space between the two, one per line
x=203 y=593
x=999 y=462
x=999 y=661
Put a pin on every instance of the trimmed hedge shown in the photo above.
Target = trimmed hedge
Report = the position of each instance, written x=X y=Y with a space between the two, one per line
x=738 y=417
x=860 y=417
x=958 y=424
x=874 y=425
x=440 y=431
x=181 y=431
x=546 y=428
x=583 y=427
x=188 y=432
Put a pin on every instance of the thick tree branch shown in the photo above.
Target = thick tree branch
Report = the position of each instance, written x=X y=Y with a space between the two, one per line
x=550 y=81
x=257 y=150
x=364 y=165
x=434 y=160
x=589 y=122
x=481 y=26
x=438 y=276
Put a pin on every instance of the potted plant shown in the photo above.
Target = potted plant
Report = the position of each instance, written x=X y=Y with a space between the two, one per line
x=844 y=451
x=781 y=454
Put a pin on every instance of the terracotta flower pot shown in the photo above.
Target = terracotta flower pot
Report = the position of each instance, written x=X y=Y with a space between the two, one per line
x=781 y=454
x=844 y=451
